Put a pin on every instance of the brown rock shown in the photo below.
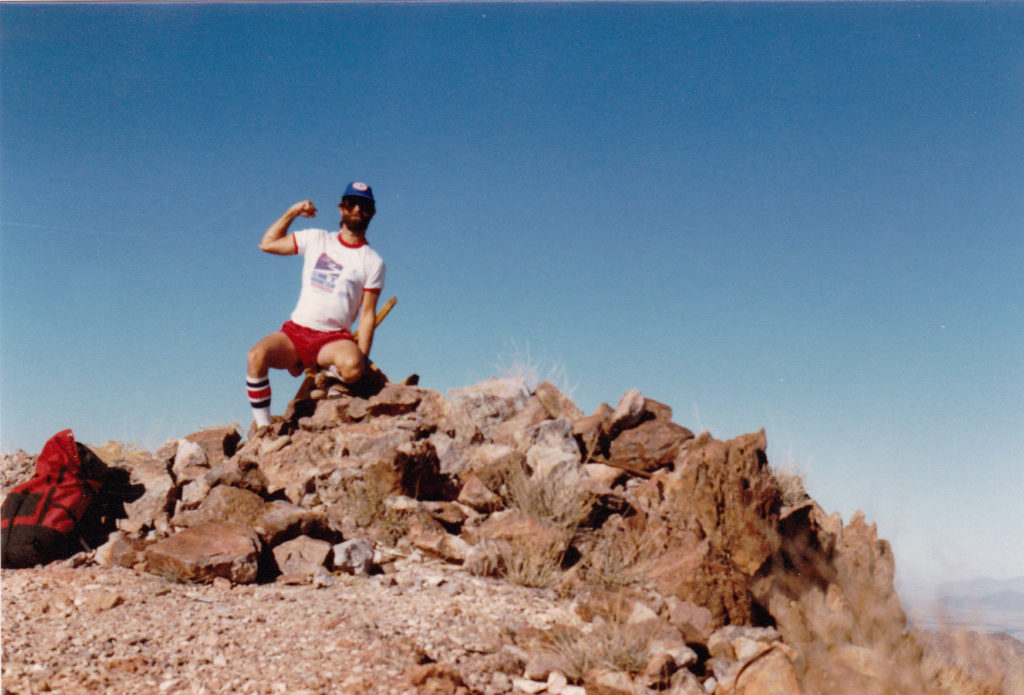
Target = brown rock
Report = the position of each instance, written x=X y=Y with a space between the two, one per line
x=830 y=591
x=607 y=681
x=555 y=402
x=238 y=472
x=190 y=461
x=121 y=551
x=541 y=663
x=393 y=399
x=224 y=503
x=486 y=405
x=436 y=679
x=715 y=516
x=449 y=513
x=512 y=525
x=419 y=471
x=606 y=476
x=645 y=448
x=658 y=671
x=683 y=682
x=152 y=509
x=627 y=413
x=657 y=410
x=103 y=600
x=279 y=520
x=491 y=463
x=477 y=495
x=693 y=621
x=329 y=412
x=770 y=674
x=302 y=555
x=440 y=543
x=592 y=432
x=212 y=549
x=219 y=443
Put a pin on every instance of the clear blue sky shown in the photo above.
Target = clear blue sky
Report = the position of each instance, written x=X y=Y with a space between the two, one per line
x=805 y=217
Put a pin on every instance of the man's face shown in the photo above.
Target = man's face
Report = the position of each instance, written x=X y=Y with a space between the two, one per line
x=356 y=212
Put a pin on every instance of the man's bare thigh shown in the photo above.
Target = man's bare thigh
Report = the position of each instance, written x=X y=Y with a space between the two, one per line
x=281 y=354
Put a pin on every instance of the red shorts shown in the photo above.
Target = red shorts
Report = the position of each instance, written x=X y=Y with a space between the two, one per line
x=308 y=342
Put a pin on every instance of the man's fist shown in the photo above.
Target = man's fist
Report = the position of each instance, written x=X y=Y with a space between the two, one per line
x=305 y=208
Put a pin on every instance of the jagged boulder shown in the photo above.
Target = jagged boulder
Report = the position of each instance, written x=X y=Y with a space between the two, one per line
x=212 y=549
x=830 y=592
x=713 y=517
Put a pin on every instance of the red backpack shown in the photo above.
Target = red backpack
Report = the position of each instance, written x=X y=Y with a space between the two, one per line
x=39 y=521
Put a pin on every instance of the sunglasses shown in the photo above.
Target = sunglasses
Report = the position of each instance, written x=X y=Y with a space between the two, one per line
x=364 y=204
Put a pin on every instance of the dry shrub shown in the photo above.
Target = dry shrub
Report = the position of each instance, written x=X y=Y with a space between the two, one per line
x=529 y=562
x=618 y=557
x=562 y=499
x=790 y=479
x=603 y=644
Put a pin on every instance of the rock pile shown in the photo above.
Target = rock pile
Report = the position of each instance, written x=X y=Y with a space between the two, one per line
x=689 y=566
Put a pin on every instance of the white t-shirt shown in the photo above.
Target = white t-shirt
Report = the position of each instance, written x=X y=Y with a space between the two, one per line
x=334 y=276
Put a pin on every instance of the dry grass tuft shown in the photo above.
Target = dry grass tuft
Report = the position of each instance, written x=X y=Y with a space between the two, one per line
x=617 y=558
x=611 y=645
x=529 y=562
x=563 y=501
x=790 y=479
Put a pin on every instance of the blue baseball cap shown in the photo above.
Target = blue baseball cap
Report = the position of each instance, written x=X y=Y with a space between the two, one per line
x=358 y=189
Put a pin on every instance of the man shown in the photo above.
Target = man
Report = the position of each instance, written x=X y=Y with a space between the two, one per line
x=342 y=278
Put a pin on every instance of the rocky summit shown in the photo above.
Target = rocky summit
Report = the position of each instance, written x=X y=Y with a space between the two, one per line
x=498 y=540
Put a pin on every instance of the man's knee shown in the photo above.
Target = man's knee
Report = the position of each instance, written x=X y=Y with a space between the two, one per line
x=350 y=365
x=256 y=360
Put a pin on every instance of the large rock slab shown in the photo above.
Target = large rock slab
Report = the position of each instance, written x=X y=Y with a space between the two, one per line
x=207 y=551
x=647 y=447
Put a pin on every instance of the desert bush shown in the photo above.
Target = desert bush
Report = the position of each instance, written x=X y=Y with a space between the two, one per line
x=602 y=644
x=562 y=500
x=791 y=484
x=529 y=562
x=617 y=556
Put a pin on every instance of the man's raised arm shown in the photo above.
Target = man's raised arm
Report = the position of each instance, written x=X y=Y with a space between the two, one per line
x=276 y=239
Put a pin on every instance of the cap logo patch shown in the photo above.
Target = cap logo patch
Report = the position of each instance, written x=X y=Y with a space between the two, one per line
x=359 y=186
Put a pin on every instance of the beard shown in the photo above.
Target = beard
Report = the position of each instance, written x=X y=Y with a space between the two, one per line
x=357 y=223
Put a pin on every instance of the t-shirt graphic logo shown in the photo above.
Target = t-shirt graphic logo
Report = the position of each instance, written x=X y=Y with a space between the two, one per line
x=325 y=273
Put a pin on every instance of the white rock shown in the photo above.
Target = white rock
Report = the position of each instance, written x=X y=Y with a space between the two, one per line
x=354 y=556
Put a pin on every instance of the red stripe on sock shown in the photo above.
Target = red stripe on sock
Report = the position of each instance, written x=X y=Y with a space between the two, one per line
x=259 y=395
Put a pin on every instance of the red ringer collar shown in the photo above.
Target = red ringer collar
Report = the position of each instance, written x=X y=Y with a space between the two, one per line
x=350 y=246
